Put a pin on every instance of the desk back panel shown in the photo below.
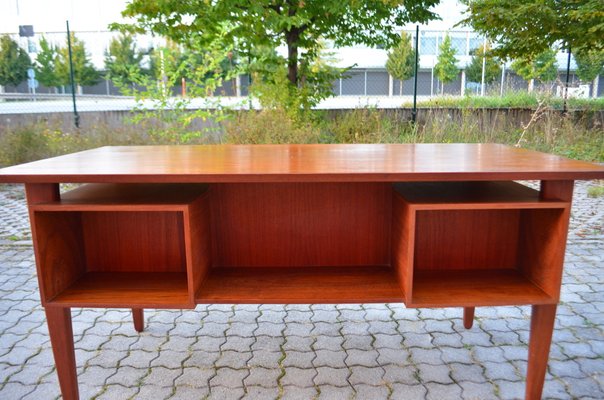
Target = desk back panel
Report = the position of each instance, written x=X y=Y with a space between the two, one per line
x=295 y=224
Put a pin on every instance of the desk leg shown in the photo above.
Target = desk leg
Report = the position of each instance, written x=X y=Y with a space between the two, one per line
x=468 y=317
x=138 y=316
x=61 y=339
x=542 y=328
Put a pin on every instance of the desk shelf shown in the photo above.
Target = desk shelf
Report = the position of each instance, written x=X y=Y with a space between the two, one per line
x=126 y=289
x=477 y=244
x=111 y=245
x=373 y=284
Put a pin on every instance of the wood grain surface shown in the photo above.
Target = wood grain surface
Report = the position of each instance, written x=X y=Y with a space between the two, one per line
x=312 y=163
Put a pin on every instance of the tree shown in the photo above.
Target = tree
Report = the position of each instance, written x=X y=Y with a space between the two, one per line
x=84 y=73
x=257 y=28
x=14 y=62
x=45 y=65
x=401 y=60
x=122 y=58
x=542 y=67
x=446 y=69
x=590 y=64
x=529 y=27
x=492 y=65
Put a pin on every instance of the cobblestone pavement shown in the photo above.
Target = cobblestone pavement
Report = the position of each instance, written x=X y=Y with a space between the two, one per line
x=363 y=351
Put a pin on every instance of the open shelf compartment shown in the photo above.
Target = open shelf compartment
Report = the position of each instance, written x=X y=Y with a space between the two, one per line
x=300 y=285
x=110 y=245
x=477 y=244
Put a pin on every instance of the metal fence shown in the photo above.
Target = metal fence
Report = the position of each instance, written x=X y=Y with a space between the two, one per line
x=359 y=82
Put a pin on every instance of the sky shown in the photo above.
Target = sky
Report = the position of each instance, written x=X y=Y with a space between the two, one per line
x=95 y=15
x=89 y=19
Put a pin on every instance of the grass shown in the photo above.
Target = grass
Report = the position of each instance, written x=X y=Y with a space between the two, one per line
x=521 y=99
x=578 y=135
x=596 y=191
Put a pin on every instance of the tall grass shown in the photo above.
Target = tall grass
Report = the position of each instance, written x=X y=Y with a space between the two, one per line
x=513 y=99
x=576 y=135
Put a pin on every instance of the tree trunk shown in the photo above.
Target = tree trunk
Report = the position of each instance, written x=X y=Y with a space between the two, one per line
x=595 y=87
x=531 y=85
x=292 y=37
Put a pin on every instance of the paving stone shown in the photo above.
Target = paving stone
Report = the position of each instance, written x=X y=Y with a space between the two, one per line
x=163 y=377
x=226 y=393
x=477 y=391
x=417 y=340
x=426 y=356
x=258 y=376
x=261 y=393
x=298 y=316
x=265 y=359
x=392 y=356
x=298 y=377
x=581 y=388
x=408 y=392
x=95 y=375
x=329 y=392
x=383 y=327
x=510 y=390
x=438 y=391
x=139 y=359
x=296 y=393
x=434 y=373
x=208 y=344
x=270 y=329
x=366 y=358
x=195 y=377
x=366 y=392
x=365 y=375
x=500 y=371
x=186 y=392
x=237 y=343
x=357 y=342
x=169 y=359
x=328 y=358
x=484 y=354
x=387 y=341
x=297 y=329
x=331 y=376
x=43 y=391
x=228 y=377
x=554 y=389
x=113 y=392
x=407 y=375
x=233 y=359
x=268 y=343
x=299 y=343
x=467 y=373
x=456 y=355
x=325 y=329
x=15 y=390
x=447 y=339
x=298 y=359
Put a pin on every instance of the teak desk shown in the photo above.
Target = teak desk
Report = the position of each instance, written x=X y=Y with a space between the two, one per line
x=429 y=225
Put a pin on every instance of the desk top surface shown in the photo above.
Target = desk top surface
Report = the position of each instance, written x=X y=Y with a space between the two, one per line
x=289 y=163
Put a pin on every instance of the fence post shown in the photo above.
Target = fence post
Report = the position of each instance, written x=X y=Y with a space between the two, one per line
x=414 y=112
x=73 y=95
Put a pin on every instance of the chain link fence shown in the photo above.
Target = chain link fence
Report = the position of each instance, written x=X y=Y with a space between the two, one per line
x=360 y=82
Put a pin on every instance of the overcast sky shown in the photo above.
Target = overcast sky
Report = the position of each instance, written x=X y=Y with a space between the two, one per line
x=89 y=19
x=95 y=15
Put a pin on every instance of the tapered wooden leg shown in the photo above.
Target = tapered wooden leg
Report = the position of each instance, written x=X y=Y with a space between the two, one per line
x=542 y=328
x=61 y=339
x=468 y=317
x=138 y=317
